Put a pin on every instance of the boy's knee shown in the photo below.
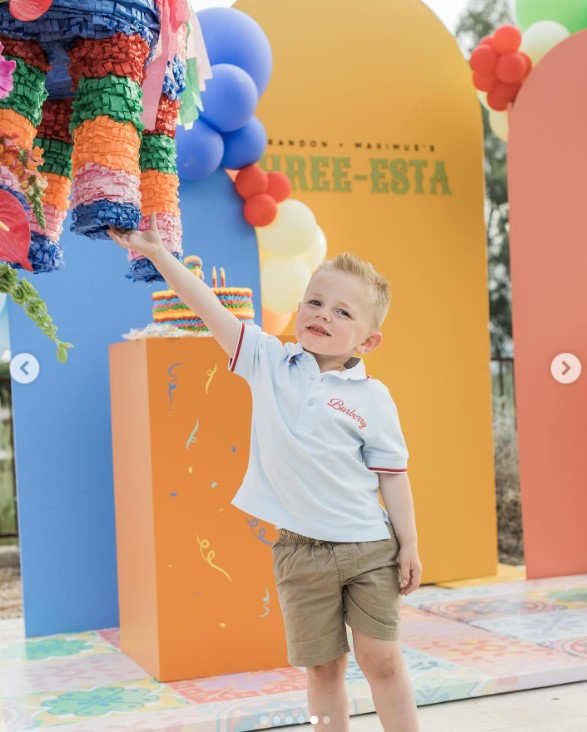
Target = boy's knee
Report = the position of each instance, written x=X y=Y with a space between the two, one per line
x=330 y=671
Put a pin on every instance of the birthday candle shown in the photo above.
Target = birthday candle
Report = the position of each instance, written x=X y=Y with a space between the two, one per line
x=222 y=277
x=214 y=283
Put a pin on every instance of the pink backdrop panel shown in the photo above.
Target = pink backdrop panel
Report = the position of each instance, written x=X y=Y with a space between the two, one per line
x=547 y=165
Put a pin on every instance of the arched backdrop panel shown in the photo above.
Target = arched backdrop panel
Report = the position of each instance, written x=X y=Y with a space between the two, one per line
x=62 y=422
x=547 y=159
x=371 y=113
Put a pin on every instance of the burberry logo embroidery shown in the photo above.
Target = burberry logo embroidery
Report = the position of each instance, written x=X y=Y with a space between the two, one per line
x=339 y=405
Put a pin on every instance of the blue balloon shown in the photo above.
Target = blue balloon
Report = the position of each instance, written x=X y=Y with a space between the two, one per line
x=230 y=98
x=233 y=37
x=199 y=151
x=245 y=146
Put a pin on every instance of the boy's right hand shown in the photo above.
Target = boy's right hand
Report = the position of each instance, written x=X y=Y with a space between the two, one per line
x=148 y=242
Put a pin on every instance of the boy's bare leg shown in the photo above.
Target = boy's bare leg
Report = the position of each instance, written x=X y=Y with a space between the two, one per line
x=327 y=697
x=382 y=663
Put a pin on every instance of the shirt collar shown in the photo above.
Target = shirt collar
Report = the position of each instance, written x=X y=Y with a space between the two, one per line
x=355 y=370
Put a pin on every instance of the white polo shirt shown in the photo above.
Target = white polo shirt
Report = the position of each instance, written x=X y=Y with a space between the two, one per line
x=318 y=441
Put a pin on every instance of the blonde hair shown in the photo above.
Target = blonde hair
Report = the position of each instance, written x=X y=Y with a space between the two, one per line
x=378 y=285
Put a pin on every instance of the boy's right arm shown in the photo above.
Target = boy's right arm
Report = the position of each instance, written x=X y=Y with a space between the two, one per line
x=200 y=299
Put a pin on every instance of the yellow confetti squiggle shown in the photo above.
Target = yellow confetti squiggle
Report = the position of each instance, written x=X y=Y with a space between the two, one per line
x=266 y=606
x=204 y=544
x=210 y=374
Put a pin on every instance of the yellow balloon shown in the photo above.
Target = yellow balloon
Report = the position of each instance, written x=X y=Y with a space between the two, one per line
x=499 y=123
x=283 y=283
x=539 y=38
x=314 y=256
x=291 y=232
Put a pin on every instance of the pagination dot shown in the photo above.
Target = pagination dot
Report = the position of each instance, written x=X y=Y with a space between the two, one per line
x=326 y=719
x=314 y=719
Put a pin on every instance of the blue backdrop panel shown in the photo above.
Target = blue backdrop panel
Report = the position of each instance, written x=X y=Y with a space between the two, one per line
x=62 y=420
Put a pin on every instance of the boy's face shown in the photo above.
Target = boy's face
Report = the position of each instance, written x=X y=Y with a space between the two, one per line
x=335 y=317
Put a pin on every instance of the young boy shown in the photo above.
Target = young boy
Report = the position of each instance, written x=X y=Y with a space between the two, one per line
x=325 y=438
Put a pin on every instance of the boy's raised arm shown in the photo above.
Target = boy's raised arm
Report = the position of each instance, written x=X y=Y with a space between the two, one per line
x=223 y=325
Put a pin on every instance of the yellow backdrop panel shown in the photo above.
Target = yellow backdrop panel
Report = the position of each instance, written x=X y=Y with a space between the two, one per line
x=372 y=115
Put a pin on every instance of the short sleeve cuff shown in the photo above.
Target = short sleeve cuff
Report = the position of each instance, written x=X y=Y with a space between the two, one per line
x=386 y=464
x=240 y=361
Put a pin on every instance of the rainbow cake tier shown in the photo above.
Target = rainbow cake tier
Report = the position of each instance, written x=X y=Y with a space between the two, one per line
x=169 y=309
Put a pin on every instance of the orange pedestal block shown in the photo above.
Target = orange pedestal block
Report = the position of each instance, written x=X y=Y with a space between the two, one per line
x=197 y=596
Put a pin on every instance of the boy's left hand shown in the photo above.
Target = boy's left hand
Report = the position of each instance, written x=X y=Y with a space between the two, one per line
x=410 y=569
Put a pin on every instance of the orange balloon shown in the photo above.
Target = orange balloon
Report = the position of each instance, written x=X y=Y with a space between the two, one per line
x=275 y=323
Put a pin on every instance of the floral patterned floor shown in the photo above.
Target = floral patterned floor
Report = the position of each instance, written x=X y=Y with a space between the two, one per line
x=457 y=643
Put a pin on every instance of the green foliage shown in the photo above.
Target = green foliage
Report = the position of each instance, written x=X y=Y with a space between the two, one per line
x=25 y=295
x=480 y=19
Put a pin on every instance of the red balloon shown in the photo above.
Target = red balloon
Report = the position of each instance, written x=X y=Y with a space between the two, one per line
x=527 y=61
x=15 y=232
x=507 y=39
x=279 y=186
x=484 y=60
x=501 y=95
x=260 y=210
x=486 y=41
x=483 y=82
x=511 y=67
x=250 y=181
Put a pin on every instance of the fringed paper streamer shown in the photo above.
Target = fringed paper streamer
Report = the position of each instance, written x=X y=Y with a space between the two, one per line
x=28 y=91
x=96 y=182
x=106 y=142
x=175 y=78
x=158 y=152
x=17 y=194
x=8 y=179
x=55 y=121
x=15 y=125
x=167 y=116
x=143 y=270
x=85 y=19
x=29 y=51
x=120 y=55
x=56 y=156
x=159 y=192
x=113 y=96
x=57 y=191
x=94 y=220
x=169 y=226
x=44 y=255
x=54 y=219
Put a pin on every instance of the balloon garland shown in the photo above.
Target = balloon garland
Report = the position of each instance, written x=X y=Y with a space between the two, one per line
x=502 y=62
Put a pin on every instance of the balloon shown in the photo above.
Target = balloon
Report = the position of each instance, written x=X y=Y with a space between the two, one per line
x=483 y=99
x=484 y=59
x=279 y=186
x=507 y=39
x=539 y=38
x=27 y=10
x=251 y=180
x=283 y=283
x=572 y=14
x=274 y=323
x=245 y=146
x=230 y=98
x=233 y=37
x=502 y=94
x=260 y=210
x=15 y=232
x=511 y=67
x=314 y=256
x=484 y=82
x=291 y=233
x=499 y=123
x=199 y=151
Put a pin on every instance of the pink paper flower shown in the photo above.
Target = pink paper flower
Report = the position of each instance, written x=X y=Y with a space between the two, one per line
x=6 y=71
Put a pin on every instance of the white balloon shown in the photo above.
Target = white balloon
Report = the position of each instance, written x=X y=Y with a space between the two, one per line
x=291 y=232
x=283 y=283
x=499 y=123
x=483 y=99
x=314 y=256
x=539 y=38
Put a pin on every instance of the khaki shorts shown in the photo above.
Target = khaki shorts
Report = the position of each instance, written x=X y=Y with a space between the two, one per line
x=323 y=584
